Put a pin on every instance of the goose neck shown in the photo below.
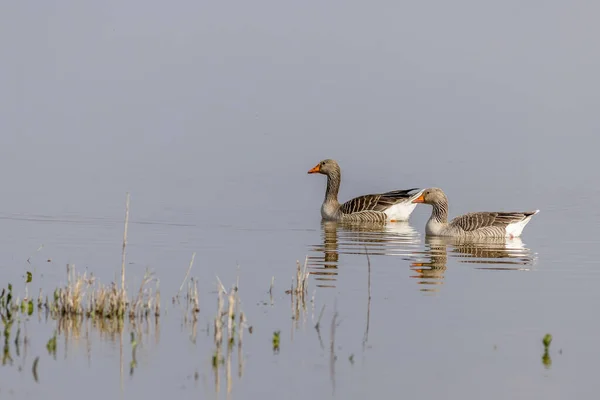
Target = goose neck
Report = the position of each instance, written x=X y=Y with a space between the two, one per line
x=333 y=187
x=440 y=211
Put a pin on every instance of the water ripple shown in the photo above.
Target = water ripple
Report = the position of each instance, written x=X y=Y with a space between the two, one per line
x=489 y=254
x=398 y=239
x=428 y=261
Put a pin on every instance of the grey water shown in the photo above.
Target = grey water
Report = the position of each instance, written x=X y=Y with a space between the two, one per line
x=210 y=115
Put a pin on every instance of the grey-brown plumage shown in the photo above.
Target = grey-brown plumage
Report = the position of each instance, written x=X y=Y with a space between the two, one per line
x=478 y=220
x=376 y=208
x=475 y=224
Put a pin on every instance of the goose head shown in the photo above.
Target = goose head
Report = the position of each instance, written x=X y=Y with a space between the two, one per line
x=431 y=196
x=325 y=167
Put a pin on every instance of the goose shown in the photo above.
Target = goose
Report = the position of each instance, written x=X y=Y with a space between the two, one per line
x=471 y=225
x=391 y=206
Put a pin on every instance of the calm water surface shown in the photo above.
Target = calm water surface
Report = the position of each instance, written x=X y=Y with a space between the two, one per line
x=210 y=118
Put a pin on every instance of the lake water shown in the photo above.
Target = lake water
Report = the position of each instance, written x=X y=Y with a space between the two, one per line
x=210 y=115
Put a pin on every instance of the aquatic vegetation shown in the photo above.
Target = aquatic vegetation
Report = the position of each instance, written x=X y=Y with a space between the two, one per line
x=51 y=345
x=276 y=340
x=546 y=360
x=84 y=295
x=547 y=340
x=230 y=312
x=6 y=297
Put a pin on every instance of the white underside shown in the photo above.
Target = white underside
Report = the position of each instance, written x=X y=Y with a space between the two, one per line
x=515 y=229
x=514 y=244
x=401 y=212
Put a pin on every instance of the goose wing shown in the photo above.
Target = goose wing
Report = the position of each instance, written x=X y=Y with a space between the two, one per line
x=479 y=220
x=376 y=202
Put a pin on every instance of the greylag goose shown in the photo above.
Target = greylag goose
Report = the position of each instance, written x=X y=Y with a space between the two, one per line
x=471 y=225
x=376 y=208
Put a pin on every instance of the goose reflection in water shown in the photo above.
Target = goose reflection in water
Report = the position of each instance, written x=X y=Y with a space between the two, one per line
x=490 y=253
x=399 y=239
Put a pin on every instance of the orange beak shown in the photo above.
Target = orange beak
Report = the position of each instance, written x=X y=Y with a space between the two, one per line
x=315 y=169
x=419 y=199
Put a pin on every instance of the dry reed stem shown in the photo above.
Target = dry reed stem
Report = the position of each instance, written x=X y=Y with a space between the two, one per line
x=148 y=277
x=157 y=300
x=124 y=244
x=298 y=293
x=332 y=356
x=241 y=329
x=194 y=330
x=240 y=334
x=231 y=316
x=228 y=379
x=218 y=334
x=218 y=321
x=302 y=278
x=194 y=297
x=187 y=273
x=366 y=335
